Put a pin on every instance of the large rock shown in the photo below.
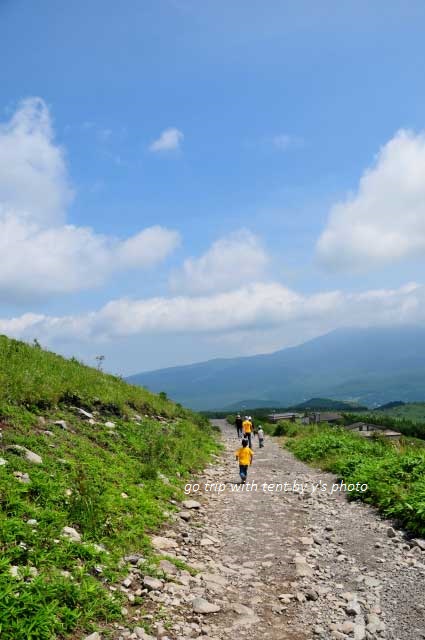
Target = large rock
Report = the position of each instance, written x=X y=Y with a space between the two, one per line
x=206 y=542
x=163 y=544
x=185 y=515
x=22 y=477
x=242 y=610
x=29 y=455
x=168 y=567
x=71 y=533
x=62 y=424
x=303 y=570
x=133 y=558
x=33 y=457
x=200 y=605
x=419 y=543
x=359 y=632
x=152 y=584
x=191 y=504
x=372 y=582
x=214 y=578
x=85 y=414
x=141 y=634
x=353 y=608
x=94 y=636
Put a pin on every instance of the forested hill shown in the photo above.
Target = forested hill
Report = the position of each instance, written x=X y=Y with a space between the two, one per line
x=371 y=366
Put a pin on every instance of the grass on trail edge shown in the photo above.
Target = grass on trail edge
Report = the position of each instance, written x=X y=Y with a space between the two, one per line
x=394 y=472
x=114 y=485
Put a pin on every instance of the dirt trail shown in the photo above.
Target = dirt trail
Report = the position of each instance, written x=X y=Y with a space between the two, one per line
x=289 y=566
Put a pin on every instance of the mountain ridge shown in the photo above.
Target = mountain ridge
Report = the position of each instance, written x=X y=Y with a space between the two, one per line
x=369 y=366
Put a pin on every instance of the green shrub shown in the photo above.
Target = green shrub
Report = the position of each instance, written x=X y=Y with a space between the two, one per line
x=284 y=428
x=394 y=473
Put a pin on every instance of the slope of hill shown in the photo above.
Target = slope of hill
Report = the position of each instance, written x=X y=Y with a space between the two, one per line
x=327 y=403
x=414 y=411
x=369 y=366
x=390 y=405
x=88 y=467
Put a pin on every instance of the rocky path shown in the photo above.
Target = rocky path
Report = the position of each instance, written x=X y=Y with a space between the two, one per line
x=284 y=565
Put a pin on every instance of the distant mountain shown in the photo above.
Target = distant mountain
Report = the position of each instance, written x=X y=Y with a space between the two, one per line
x=390 y=405
x=367 y=366
x=327 y=403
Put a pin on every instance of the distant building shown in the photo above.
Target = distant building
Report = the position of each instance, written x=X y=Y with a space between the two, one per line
x=324 y=416
x=367 y=430
x=276 y=417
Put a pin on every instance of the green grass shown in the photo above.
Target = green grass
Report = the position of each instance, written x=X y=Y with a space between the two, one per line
x=394 y=472
x=413 y=411
x=39 y=379
x=104 y=484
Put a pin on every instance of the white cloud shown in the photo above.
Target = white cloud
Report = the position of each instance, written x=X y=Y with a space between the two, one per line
x=231 y=261
x=255 y=307
x=150 y=246
x=385 y=220
x=41 y=255
x=33 y=176
x=38 y=263
x=169 y=140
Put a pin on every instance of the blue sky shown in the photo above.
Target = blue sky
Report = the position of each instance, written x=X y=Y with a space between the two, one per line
x=273 y=152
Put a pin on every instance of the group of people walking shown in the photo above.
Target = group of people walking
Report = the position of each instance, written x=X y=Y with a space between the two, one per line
x=246 y=430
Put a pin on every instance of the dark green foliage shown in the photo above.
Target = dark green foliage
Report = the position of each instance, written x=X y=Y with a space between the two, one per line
x=406 y=427
x=328 y=405
x=285 y=428
x=391 y=405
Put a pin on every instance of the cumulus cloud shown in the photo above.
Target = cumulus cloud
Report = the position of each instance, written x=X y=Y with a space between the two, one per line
x=270 y=305
x=384 y=221
x=169 y=140
x=41 y=255
x=33 y=176
x=234 y=260
x=38 y=263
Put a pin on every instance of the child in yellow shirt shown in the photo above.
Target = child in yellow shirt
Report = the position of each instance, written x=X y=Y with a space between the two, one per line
x=244 y=455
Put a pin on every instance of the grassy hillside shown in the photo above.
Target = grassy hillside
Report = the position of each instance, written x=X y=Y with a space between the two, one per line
x=328 y=404
x=413 y=411
x=110 y=477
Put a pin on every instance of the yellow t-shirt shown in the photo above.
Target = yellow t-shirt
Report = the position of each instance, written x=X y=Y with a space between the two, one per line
x=247 y=426
x=244 y=455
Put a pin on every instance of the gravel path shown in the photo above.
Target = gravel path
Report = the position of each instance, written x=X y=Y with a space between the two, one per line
x=286 y=565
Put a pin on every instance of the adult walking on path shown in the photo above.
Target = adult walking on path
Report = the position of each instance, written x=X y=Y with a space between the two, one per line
x=247 y=430
x=238 y=425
